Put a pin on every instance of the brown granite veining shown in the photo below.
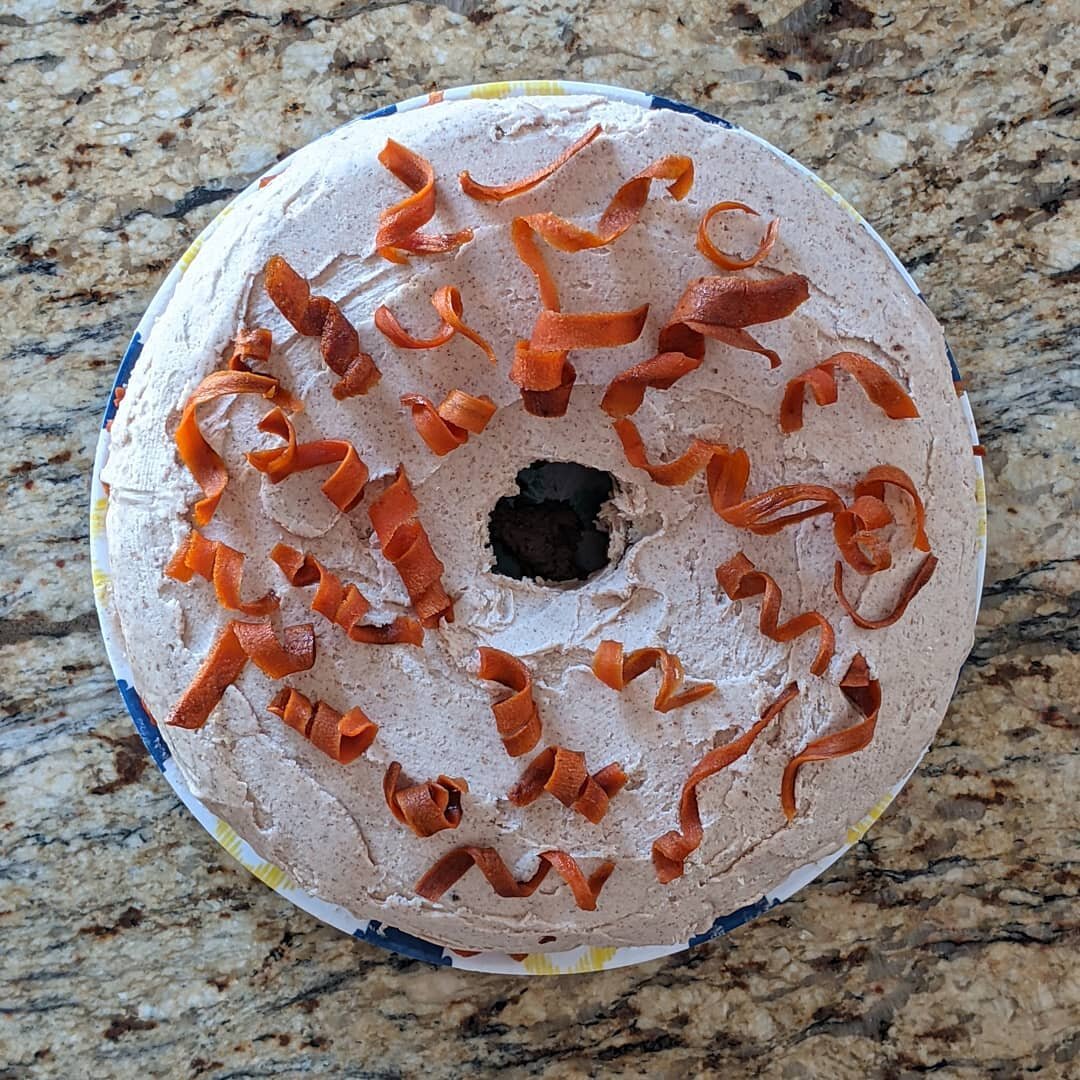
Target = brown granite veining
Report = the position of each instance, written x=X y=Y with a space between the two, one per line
x=946 y=941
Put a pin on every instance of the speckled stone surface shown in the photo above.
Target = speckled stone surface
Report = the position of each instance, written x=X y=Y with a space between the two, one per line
x=948 y=940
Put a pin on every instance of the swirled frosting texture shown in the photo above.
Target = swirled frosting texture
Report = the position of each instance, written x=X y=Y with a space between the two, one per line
x=328 y=825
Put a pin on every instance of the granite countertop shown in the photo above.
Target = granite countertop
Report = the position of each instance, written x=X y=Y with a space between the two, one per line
x=947 y=940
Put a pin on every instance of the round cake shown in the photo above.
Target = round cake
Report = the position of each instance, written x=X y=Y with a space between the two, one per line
x=542 y=522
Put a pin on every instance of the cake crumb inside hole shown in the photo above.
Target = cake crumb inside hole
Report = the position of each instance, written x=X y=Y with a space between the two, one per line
x=552 y=531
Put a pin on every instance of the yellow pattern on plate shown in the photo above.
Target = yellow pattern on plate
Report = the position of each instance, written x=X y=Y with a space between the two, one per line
x=264 y=871
x=857 y=831
x=595 y=959
x=506 y=89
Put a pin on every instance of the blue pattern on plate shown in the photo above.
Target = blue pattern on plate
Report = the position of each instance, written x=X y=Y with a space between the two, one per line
x=677 y=106
x=400 y=942
x=146 y=727
x=131 y=354
x=726 y=923
x=956 y=377
x=386 y=110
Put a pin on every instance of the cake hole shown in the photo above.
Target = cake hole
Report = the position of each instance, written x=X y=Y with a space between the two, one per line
x=551 y=530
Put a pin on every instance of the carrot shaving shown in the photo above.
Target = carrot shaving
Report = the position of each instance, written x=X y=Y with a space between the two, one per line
x=447 y=303
x=880 y=387
x=344 y=737
x=626 y=392
x=238 y=643
x=727 y=473
x=447 y=427
x=864 y=693
x=221 y=565
x=405 y=545
x=614 y=670
x=399 y=225
x=345 y=485
x=540 y=368
x=516 y=717
x=741 y=580
x=318 y=316
x=202 y=461
x=670 y=851
x=250 y=346
x=722 y=307
x=854 y=526
x=732 y=262
x=923 y=573
x=563 y=773
x=455 y=864
x=496 y=193
x=343 y=605
x=425 y=808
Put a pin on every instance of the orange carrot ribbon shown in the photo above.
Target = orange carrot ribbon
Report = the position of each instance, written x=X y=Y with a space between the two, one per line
x=318 y=316
x=455 y=864
x=722 y=307
x=250 y=346
x=670 y=851
x=447 y=427
x=202 y=461
x=238 y=643
x=732 y=262
x=854 y=526
x=496 y=193
x=343 y=605
x=923 y=573
x=344 y=737
x=399 y=225
x=614 y=670
x=221 y=565
x=447 y=303
x=516 y=717
x=626 y=392
x=880 y=387
x=864 y=693
x=741 y=580
x=345 y=485
x=405 y=545
x=425 y=808
x=563 y=774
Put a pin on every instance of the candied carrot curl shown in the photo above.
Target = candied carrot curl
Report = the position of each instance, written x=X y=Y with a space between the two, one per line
x=923 y=573
x=670 y=851
x=496 y=193
x=722 y=307
x=854 y=526
x=425 y=808
x=250 y=346
x=864 y=693
x=880 y=387
x=741 y=580
x=447 y=303
x=626 y=391
x=318 y=316
x=343 y=605
x=447 y=427
x=202 y=461
x=540 y=366
x=238 y=643
x=405 y=544
x=732 y=262
x=345 y=485
x=221 y=565
x=563 y=773
x=727 y=473
x=623 y=210
x=614 y=670
x=455 y=864
x=516 y=717
x=399 y=225
x=342 y=737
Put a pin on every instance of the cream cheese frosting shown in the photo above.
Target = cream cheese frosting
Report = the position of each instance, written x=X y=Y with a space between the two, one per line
x=326 y=824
